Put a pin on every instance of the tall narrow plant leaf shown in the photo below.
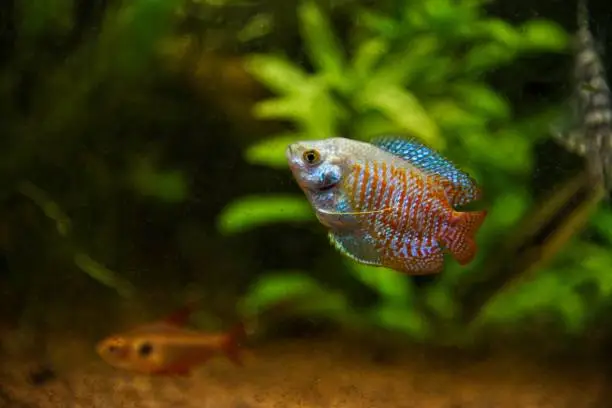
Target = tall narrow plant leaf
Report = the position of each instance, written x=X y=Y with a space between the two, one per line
x=404 y=108
x=253 y=211
x=321 y=43
x=276 y=72
x=271 y=152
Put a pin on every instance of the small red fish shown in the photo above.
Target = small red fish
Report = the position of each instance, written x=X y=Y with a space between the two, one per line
x=165 y=347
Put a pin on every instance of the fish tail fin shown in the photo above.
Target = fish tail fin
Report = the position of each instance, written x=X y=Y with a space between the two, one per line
x=460 y=237
x=231 y=345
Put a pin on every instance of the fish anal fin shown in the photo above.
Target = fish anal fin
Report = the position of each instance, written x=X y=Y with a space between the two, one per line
x=235 y=356
x=460 y=238
x=358 y=248
x=231 y=344
x=417 y=257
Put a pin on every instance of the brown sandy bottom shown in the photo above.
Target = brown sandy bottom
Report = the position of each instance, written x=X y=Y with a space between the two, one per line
x=321 y=374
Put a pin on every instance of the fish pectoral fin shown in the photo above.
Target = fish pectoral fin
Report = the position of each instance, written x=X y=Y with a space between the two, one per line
x=357 y=247
x=335 y=220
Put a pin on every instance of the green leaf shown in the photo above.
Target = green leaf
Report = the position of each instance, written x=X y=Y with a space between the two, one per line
x=371 y=124
x=441 y=301
x=481 y=99
x=166 y=185
x=103 y=275
x=403 y=108
x=367 y=55
x=573 y=311
x=391 y=284
x=402 y=67
x=544 y=35
x=595 y=265
x=323 y=112
x=277 y=73
x=500 y=31
x=257 y=27
x=482 y=58
x=253 y=211
x=506 y=151
x=280 y=286
x=49 y=207
x=292 y=107
x=450 y=115
x=378 y=23
x=313 y=109
x=506 y=211
x=446 y=16
x=131 y=33
x=539 y=294
x=401 y=318
x=323 y=47
x=602 y=223
x=271 y=152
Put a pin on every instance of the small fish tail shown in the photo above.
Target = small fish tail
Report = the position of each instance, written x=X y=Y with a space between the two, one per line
x=460 y=237
x=231 y=345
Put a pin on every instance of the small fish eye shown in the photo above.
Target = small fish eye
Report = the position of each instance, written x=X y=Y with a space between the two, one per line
x=145 y=349
x=112 y=348
x=311 y=156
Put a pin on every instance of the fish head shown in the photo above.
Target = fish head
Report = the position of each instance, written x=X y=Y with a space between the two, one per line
x=317 y=165
x=130 y=353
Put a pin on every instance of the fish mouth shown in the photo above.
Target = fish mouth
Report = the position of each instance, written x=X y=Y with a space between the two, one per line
x=328 y=187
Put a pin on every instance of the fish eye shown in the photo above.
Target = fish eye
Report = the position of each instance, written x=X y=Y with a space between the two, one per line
x=145 y=349
x=114 y=346
x=311 y=156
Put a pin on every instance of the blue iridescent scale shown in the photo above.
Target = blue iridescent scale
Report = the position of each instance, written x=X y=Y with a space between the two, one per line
x=430 y=161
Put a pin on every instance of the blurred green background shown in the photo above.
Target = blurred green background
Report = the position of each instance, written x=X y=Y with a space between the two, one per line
x=143 y=157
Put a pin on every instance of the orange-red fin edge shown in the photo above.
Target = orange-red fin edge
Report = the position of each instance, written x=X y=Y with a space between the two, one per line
x=461 y=238
x=231 y=346
x=181 y=316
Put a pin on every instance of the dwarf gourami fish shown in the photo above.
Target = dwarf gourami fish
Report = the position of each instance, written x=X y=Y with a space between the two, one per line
x=389 y=203
x=165 y=347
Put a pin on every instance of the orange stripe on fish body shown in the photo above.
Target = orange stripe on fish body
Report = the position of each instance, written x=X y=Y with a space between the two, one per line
x=409 y=218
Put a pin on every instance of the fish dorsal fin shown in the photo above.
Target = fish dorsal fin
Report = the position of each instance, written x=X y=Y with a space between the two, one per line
x=181 y=316
x=460 y=188
x=172 y=322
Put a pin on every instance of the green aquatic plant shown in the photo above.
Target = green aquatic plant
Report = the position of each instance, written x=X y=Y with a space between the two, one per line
x=422 y=72
x=57 y=111
x=558 y=288
x=63 y=224
x=251 y=212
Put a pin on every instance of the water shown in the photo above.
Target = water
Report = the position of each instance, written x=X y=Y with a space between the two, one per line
x=143 y=165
